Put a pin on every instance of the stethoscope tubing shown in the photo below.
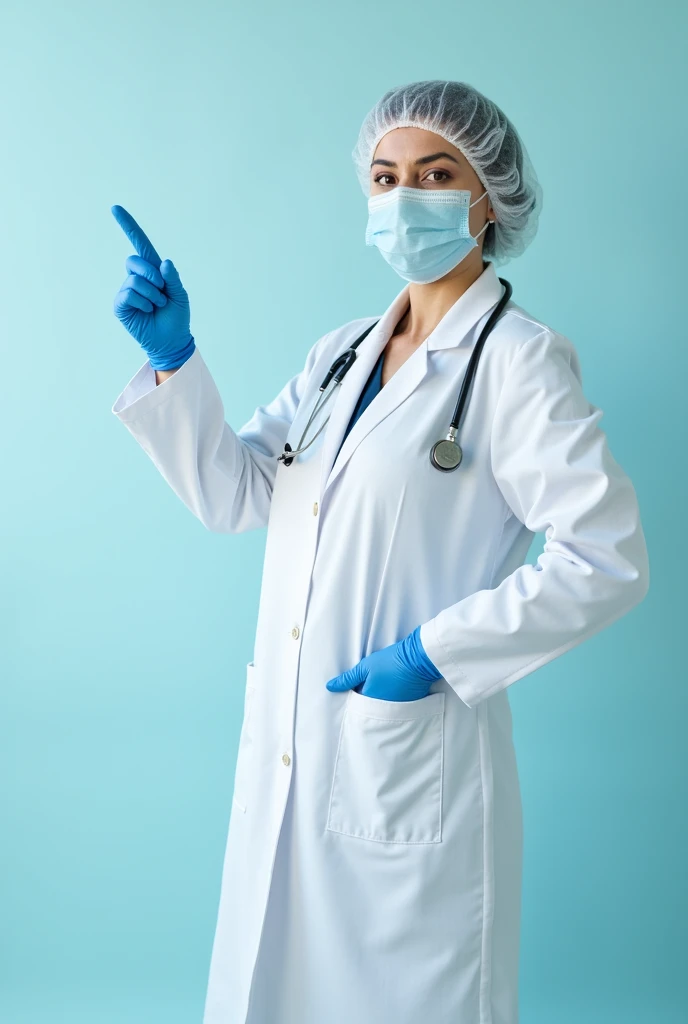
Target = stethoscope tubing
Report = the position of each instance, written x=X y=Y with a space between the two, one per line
x=318 y=405
x=340 y=367
x=475 y=354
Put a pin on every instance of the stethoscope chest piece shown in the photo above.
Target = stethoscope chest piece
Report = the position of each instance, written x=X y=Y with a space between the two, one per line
x=446 y=455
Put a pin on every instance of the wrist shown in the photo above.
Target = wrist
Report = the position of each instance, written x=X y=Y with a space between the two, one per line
x=173 y=360
x=418 y=657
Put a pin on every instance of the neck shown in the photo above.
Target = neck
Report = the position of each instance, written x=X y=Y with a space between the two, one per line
x=428 y=303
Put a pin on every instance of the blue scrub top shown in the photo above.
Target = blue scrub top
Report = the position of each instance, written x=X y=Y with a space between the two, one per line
x=371 y=389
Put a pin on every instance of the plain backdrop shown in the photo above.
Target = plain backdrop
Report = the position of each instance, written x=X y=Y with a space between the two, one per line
x=226 y=129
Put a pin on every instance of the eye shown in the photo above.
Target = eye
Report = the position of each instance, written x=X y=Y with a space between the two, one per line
x=445 y=173
x=383 y=175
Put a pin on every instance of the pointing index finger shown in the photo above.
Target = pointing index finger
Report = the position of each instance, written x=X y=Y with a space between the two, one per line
x=136 y=236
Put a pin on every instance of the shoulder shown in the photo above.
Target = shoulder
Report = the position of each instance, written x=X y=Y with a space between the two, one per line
x=519 y=338
x=346 y=334
x=527 y=342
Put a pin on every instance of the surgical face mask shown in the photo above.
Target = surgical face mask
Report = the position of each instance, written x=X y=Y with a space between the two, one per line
x=422 y=233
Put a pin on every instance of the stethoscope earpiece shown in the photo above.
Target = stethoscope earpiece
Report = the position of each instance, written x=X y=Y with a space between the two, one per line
x=281 y=458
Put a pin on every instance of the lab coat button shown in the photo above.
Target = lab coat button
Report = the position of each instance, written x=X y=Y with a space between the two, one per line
x=315 y=508
x=295 y=632
x=286 y=759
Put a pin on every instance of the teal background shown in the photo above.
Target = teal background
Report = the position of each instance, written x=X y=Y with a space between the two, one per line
x=226 y=130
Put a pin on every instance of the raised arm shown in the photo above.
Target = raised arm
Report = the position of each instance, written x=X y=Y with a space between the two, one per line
x=173 y=408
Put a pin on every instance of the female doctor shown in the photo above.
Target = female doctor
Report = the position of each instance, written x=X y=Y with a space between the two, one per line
x=373 y=863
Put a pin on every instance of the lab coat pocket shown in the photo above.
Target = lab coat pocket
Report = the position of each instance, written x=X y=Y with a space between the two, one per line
x=242 y=773
x=387 y=778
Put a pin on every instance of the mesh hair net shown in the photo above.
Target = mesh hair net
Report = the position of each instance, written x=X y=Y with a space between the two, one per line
x=481 y=131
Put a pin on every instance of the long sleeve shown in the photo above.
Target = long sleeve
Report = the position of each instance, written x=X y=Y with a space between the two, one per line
x=224 y=477
x=553 y=466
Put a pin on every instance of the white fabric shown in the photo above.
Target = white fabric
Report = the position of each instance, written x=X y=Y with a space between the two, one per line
x=373 y=863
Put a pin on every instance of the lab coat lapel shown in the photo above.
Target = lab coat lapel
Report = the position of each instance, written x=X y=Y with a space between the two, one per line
x=457 y=325
x=351 y=387
x=400 y=385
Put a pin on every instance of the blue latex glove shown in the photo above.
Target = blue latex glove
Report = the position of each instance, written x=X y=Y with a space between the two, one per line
x=401 y=671
x=152 y=303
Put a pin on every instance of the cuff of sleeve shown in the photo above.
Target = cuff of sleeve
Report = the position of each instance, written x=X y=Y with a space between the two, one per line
x=442 y=661
x=142 y=395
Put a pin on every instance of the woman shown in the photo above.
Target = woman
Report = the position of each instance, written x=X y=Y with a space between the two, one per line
x=373 y=863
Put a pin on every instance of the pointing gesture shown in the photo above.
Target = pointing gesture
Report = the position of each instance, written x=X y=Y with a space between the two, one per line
x=152 y=302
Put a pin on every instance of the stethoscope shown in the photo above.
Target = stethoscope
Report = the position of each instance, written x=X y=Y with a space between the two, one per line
x=445 y=454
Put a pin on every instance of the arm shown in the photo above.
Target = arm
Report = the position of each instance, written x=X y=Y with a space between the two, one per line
x=161 y=375
x=174 y=410
x=552 y=464
x=224 y=477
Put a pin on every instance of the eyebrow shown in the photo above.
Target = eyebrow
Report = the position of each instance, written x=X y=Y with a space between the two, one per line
x=421 y=160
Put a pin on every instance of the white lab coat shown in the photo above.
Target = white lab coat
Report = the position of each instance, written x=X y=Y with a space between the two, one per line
x=373 y=863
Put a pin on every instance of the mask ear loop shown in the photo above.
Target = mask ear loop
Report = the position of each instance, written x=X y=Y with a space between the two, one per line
x=478 y=200
x=483 y=228
x=487 y=222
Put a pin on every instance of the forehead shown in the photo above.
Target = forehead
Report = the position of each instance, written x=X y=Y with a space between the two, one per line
x=408 y=143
